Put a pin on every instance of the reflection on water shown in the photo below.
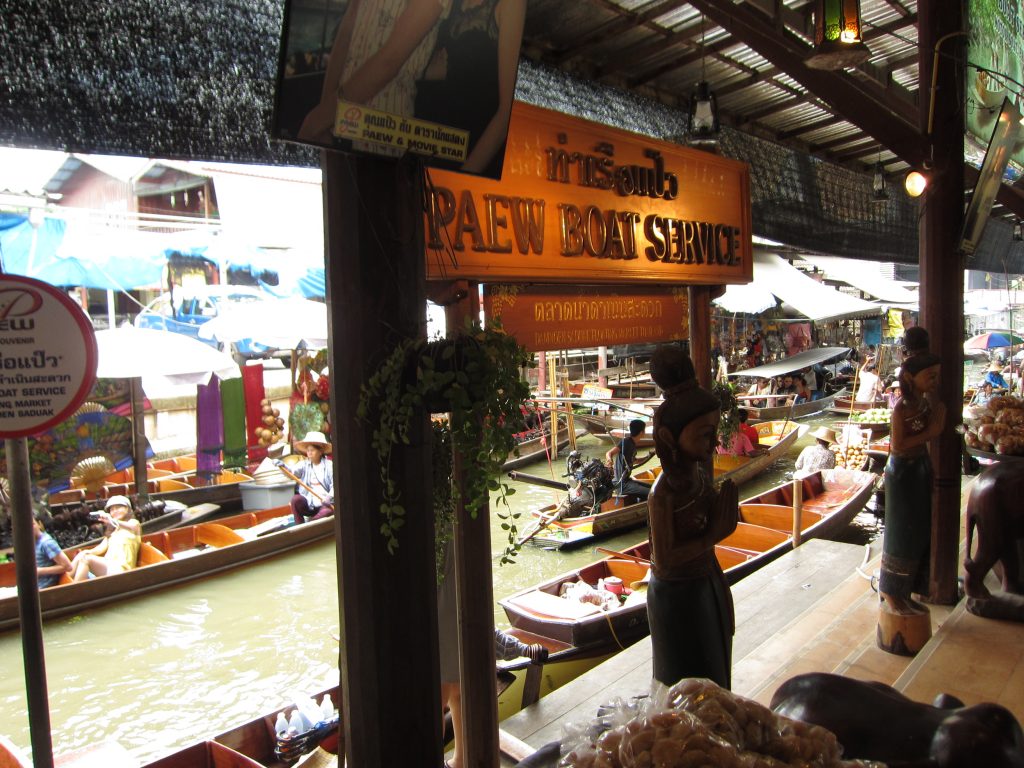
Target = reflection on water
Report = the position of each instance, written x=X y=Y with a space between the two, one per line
x=162 y=671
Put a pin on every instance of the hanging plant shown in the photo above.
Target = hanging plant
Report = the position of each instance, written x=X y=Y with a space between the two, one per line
x=729 y=423
x=475 y=375
x=444 y=493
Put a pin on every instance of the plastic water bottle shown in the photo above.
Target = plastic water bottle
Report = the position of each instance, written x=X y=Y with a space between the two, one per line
x=326 y=708
x=296 y=721
x=281 y=725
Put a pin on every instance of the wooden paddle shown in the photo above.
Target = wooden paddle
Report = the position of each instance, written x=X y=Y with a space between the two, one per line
x=297 y=480
x=623 y=556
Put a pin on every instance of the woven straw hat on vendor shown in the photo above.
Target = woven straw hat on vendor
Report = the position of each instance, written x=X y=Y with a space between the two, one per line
x=314 y=438
x=824 y=433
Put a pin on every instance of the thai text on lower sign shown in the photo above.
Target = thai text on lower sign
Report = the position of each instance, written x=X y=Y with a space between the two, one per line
x=604 y=309
x=360 y=123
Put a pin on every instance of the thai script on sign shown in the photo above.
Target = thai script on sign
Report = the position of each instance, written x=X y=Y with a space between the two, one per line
x=37 y=359
x=590 y=309
x=360 y=123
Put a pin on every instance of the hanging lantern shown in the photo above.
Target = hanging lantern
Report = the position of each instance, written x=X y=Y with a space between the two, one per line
x=878 y=188
x=837 y=36
x=703 y=115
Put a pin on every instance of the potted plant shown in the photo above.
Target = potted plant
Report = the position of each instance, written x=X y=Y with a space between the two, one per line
x=474 y=375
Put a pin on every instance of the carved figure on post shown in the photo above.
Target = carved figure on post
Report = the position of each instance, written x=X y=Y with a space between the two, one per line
x=994 y=509
x=903 y=625
x=689 y=605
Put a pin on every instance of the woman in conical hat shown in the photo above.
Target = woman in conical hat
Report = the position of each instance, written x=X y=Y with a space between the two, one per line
x=315 y=497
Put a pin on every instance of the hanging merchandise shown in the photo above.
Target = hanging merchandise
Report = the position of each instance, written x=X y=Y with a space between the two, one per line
x=255 y=403
x=232 y=398
x=209 y=429
x=310 y=399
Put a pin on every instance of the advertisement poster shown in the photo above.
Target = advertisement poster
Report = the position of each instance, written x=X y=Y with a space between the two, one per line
x=388 y=77
x=996 y=69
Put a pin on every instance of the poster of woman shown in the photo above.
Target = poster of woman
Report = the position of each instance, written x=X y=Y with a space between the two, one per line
x=432 y=77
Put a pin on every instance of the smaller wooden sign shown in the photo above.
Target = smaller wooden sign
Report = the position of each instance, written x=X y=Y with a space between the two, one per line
x=547 y=318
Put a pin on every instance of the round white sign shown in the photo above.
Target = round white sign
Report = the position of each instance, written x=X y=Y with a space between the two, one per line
x=47 y=356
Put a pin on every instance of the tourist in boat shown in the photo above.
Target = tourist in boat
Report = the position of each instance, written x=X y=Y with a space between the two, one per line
x=803 y=394
x=623 y=460
x=916 y=420
x=868 y=384
x=746 y=428
x=689 y=604
x=51 y=562
x=119 y=550
x=817 y=456
x=741 y=444
x=983 y=395
x=315 y=497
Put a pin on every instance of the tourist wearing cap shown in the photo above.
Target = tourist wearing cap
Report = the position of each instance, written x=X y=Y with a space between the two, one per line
x=817 y=456
x=315 y=498
x=51 y=562
x=119 y=550
x=995 y=376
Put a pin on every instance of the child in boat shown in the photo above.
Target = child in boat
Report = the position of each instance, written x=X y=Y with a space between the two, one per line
x=119 y=550
x=51 y=562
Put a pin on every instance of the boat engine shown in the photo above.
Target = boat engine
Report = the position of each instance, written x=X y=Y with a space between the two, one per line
x=593 y=485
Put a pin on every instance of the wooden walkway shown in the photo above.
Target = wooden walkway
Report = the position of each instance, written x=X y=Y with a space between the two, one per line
x=812 y=610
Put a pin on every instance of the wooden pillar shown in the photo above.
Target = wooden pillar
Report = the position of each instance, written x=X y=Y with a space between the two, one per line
x=475 y=599
x=391 y=694
x=942 y=270
x=700 y=332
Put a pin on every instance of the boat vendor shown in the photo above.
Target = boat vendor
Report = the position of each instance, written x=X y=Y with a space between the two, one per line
x=689 y=605
x=119 y=550
x=51 y=562
x=983 y=395
x=817 y=456
x=994 y=376
x=623 y=460
x=315 y=497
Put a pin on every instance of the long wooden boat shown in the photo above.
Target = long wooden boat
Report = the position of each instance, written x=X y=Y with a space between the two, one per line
x=846 y=404
x=173 y=557
x=831 y=498
x=539 y=447
x=171 y=479
x=622 y=513
x=779 y=409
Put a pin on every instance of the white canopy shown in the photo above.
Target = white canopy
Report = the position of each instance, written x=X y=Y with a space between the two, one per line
x=866 y=276
x=813 y=300
x=750 y=297
x=796 y=362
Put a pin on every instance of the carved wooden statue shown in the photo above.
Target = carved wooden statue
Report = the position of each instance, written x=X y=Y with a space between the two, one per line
x=996 y=512
x=875 y=722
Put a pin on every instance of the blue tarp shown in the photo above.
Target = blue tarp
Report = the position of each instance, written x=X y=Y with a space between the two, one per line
x=64 y=254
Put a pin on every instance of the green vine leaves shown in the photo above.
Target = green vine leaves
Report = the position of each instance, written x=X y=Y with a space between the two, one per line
x=474 y=375
x=729 y=424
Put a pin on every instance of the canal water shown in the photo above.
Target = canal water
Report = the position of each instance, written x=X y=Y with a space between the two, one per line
x=161 y=671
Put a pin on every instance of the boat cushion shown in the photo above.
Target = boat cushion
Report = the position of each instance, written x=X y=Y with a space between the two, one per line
x=545 y=604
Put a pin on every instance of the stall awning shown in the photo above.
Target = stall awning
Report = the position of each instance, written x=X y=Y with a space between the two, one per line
x=795 y=362
x=813 y=300
x=749 y=297
x=866 y=276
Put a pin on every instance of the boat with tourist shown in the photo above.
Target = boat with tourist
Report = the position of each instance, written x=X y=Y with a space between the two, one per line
x=768 y=407
x=554 y=529
x=170 y=557
x=601 y=607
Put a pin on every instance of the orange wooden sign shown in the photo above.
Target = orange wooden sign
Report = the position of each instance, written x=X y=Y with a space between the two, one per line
x=544 y=318
x=580 y=202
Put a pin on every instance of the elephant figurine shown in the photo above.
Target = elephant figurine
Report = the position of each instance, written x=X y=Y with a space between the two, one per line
x=995 y=510
x=873 y=721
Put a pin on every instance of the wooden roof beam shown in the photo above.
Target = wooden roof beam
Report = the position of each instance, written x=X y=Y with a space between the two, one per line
x=625 y=22
x=860 y=103
x=827 y=122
